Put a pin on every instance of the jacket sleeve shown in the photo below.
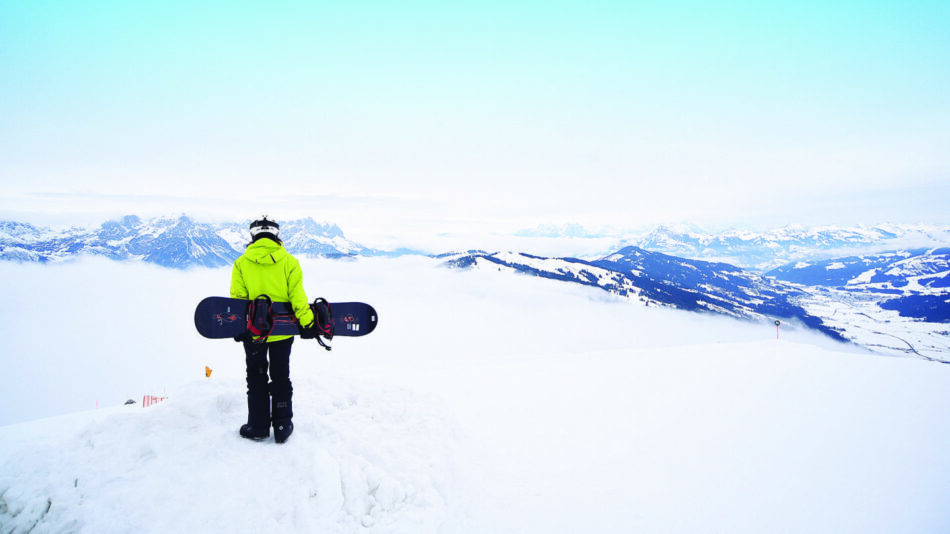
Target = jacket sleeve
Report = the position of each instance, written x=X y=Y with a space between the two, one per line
x=298 y=297
x=238 y=288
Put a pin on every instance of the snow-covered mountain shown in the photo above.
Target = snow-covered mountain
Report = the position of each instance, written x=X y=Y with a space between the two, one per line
x=894 y=272
x=170 y=242
x=658 y=279
x=863 y=310
x=759 y=250
x=915 y=283
x=763 y=251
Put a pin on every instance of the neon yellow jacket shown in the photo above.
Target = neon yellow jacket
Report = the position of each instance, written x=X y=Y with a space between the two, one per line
x=266 y=268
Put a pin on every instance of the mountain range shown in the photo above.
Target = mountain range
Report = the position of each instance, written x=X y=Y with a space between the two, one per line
x=170 y=242
x=761 y=251
x=896 y=301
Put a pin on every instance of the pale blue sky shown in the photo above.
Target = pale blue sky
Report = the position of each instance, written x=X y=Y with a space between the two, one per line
x=429 y=116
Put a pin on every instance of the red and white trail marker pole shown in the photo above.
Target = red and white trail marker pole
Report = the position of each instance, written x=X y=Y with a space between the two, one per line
x=776 y=328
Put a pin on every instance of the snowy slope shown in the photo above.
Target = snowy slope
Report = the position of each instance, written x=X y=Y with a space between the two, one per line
x=448 y=419
x=903 y=312
x=656 y=279
x=179 y=466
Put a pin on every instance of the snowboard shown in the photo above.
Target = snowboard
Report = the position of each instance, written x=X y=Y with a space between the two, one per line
x=223 y=317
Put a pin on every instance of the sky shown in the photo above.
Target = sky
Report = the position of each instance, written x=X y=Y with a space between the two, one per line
x=419 y=117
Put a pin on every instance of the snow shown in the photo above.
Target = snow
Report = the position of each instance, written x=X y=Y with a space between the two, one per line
x=476 y=406
x=179 y=466
x=859 y=318
x=863 y=278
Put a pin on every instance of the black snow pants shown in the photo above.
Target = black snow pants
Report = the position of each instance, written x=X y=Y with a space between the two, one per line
x=267 y=402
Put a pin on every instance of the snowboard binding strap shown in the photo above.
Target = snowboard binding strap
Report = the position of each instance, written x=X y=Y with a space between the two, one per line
x=323 y=321
x=260 y=318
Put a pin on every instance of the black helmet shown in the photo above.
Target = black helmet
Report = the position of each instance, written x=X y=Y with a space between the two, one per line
x=264 y=226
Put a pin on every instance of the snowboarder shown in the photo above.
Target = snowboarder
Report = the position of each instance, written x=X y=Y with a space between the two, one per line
x=266 y=268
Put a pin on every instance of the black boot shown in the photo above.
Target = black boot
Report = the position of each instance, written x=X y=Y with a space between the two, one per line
x=257 y=434
x=283 y=430
x=283 y=419
x=258 y=417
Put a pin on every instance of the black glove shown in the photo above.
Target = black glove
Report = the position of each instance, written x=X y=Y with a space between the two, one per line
x=242 y=337
x=308 y=332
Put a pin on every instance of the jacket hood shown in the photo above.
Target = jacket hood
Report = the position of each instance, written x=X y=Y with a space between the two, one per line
x=264 y=251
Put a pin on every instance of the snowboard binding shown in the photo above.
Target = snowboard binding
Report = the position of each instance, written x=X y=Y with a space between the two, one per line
x=323 y=321
x=260 y=318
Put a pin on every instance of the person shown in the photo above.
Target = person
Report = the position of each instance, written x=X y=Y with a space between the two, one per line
x=266 y=268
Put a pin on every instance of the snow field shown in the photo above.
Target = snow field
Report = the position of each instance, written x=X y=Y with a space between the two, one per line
x=374 y=458
x=751 y=437
x=475 y=407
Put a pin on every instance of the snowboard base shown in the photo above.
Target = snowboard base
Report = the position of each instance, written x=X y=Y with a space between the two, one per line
x=223 y=317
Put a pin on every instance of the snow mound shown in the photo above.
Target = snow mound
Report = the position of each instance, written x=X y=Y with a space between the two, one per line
x=368 y=459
